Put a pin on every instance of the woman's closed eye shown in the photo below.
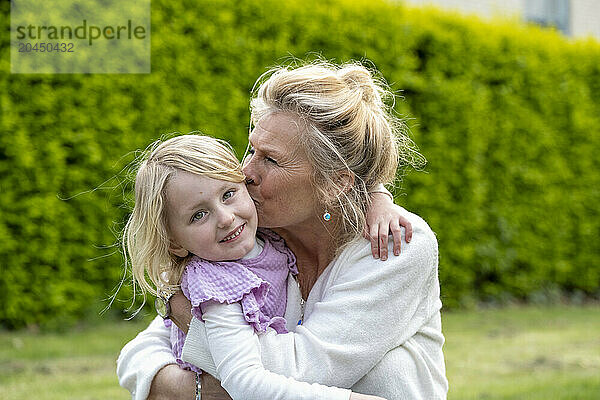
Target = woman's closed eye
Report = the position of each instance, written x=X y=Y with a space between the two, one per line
x=251 y=152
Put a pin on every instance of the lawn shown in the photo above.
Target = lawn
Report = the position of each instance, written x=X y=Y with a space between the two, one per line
x=512 y=353
x=523 y=353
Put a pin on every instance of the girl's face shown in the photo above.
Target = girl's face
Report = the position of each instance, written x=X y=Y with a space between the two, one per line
x=212 y=219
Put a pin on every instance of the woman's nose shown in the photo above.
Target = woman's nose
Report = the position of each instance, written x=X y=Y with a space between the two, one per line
x=252 y=177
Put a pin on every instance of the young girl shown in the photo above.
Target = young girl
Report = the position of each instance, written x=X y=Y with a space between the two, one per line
x=194 y=229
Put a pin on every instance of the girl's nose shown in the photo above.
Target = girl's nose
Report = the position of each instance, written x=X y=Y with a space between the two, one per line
x=226 y=218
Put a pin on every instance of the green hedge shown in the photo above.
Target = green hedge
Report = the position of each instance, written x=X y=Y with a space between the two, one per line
x=507 y=116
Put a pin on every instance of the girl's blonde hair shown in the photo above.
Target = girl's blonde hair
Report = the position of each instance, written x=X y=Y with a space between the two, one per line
x=146 y=237
x=350 y=134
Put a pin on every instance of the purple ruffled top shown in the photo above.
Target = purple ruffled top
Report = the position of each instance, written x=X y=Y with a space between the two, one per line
x=259 y=284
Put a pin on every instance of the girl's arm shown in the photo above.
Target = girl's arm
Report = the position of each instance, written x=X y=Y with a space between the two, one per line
x=385 y=217
x=235 y=349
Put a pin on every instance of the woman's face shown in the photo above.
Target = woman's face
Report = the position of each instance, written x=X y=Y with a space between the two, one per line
x=278 y=173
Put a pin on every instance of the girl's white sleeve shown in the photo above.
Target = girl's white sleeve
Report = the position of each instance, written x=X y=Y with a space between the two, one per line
x=143 y=357
x=235 y=350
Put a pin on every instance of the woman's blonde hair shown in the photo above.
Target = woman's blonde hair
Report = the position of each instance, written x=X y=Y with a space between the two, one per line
x=352 y=138
x=146 y=237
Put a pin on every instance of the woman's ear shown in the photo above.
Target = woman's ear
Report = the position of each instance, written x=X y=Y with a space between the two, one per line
x=346 y=180
x=177 y=250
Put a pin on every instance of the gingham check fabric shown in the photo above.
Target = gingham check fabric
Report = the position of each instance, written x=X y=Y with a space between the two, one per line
x=259 y=284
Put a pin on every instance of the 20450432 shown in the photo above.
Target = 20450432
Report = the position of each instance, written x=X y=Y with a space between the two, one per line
x=46 y=47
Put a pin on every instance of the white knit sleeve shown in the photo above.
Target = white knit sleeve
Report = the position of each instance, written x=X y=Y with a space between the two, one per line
x=366 y=308
x=143 y=357
x=235 y=349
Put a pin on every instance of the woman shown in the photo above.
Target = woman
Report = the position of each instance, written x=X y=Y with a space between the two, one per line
x=322 y=142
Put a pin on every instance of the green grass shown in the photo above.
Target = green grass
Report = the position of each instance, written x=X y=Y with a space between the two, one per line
x=524 y=353
x=512 y=353
x=78 y=364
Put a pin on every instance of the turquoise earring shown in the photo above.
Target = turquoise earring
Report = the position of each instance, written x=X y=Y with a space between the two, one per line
x=326 y=216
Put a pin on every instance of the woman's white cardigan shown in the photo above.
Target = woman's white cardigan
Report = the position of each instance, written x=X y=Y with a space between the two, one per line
x=370 y=326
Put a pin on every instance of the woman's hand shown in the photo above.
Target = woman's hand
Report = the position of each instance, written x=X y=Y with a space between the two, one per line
x=212 y=389
x=382 y=217
x=172 y=382
x=181 y=311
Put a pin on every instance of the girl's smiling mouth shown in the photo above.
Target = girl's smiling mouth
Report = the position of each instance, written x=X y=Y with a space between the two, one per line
x=234 y=234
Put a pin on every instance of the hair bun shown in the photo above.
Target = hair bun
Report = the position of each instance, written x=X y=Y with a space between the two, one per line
x=358 y=77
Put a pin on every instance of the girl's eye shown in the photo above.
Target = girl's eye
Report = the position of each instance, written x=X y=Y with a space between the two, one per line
x=198 y=216
x=228 y=194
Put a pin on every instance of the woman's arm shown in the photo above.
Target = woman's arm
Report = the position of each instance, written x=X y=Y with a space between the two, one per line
x=143 y=357
x=234 y=347
x=147 y=368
